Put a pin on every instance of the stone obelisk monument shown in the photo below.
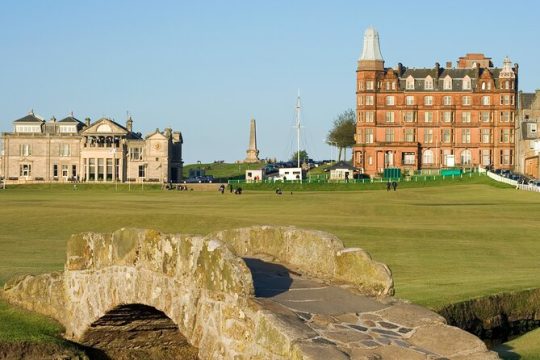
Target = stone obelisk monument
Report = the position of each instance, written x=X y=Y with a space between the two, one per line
x=252 y=151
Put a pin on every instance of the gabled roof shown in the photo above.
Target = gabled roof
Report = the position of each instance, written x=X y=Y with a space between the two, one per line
x=156 y=132
x=71 y=119
x=105 y=126
x=30 y=118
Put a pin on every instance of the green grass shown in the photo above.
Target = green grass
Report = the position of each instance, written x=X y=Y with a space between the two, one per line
x=526 y=347
x=223 y=170
x=443 y=243
x=20 y=325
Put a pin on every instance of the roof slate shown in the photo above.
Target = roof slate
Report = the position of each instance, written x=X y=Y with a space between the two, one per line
x=30 y=118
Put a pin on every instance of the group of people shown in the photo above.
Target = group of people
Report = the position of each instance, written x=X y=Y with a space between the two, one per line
x=237 y=191
x=390 y=185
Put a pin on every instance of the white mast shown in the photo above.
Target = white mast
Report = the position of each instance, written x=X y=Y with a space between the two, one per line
x=298 y=128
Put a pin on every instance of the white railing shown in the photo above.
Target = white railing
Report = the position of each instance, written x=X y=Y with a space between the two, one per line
x=502 y=179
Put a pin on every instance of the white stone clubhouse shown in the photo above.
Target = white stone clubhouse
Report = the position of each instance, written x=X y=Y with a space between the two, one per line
x=102 y=151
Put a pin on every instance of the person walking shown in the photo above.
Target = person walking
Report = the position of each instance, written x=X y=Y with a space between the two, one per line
x=394 y=185
x=388 y=185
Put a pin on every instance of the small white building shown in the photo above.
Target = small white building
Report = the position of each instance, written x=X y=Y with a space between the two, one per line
x=290 y=174
x=342 y=171
x=254 y=175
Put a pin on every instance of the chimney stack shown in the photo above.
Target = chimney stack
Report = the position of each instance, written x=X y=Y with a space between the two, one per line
x=129 y=124
x=437 y=69
x=448 y=64
x=87 y=121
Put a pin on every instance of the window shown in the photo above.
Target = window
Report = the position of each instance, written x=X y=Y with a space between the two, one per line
x=92 y=169
x=370 y=115
x=65 y=171
x=466 y=100
x=64 y=150
x=466 y=83
x=100 y=169
x=447 y=116
x=390 y=100
x=409 y=158
x=387 y=85
x=428 y=83
x=136 y=153
x=446 y=136
x=408 y=116
x=369 y=100
x=28 y=128
x=369 y=85
x=109 y=169
x=409 y=135
x=485 y=136
x=507 y=136
x=74 y=171
x=466 y=136
x=507 y=84
x=466 y=117
x=428 y=136
x=506 y=157
x=486 y=100
x=505 y=116
x=142 y=171
x=389 y=135
x=428 y=100
x=25 y=150
x=486 y=157
x=505 y=100
x=360 y=100
x=369 y=136
x=428 y=116
x=55 y=170
x=483 y=85
x=427 y=157
x=25 y=170
x=447 y=100
x=466 y=157
x=360 y=85
x=393 y=85
x=484 y=116
x=447 y=85
x=409 y=84
x=389 y=117
x=68 y=129
x=409 y=100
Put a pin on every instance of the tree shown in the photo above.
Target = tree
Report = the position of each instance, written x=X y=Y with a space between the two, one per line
x=342 y=133
x=303 y=156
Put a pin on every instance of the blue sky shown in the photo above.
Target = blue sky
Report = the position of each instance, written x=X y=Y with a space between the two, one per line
x=206 y=67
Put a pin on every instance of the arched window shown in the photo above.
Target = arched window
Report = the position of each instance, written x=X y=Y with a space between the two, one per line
x=428 y=83
x=427 y=157
x=466 y=157
x=507 y=84
x=447 y=83
x=466 y=83
x=483 y=85
x=409 y=83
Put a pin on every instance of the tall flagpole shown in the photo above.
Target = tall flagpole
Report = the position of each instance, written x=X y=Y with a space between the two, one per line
x=298 y=129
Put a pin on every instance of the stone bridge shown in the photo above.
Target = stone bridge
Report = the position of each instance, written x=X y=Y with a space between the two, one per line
x=252 y=293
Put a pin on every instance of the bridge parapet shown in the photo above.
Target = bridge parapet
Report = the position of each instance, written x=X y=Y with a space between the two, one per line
x=315 y=253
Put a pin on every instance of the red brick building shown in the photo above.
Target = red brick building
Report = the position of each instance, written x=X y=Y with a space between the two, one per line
x=433 y=118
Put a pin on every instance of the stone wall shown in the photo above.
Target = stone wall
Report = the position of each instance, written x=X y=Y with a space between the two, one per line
x=315 y=253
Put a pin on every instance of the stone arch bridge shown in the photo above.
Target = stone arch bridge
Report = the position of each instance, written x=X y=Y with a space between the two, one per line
x=252 y=293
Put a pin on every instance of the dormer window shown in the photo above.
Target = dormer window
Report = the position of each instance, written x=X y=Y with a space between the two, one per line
x=483 y=85
x=447 y=85
x=428 y=83
x=466 y=83
x=409 y=85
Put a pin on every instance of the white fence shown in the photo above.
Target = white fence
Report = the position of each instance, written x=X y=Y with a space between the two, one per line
x=502 y=179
